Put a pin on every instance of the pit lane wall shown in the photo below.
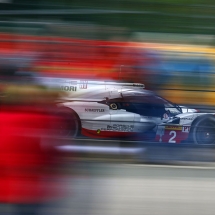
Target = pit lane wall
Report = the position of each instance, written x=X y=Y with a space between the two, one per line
x=181 y=73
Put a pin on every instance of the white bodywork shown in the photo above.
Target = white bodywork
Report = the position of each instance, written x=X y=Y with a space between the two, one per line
x=91 y=100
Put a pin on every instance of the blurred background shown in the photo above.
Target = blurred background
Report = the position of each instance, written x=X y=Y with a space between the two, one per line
x=169 y=45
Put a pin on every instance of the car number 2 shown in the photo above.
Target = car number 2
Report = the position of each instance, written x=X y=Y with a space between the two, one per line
x=173 y=133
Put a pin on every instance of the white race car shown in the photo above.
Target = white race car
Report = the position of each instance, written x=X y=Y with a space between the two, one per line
x=126 y=110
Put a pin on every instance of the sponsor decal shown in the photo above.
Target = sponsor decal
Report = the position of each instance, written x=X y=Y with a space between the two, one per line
x=94 y=110
x=186 y=129
x=68 y=88
x=83 y=84
x=117 y=127
x=172 y=134
x=98 y=131
x=187 y=118
x=174 y=128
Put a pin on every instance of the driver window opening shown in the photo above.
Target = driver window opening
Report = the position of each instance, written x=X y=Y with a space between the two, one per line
x=147 y=109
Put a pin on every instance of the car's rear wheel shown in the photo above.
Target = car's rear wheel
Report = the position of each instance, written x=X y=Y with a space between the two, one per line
x=203 y=130
x=70 y=123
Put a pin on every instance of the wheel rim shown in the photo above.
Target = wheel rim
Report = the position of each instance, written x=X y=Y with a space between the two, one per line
x=205 y=133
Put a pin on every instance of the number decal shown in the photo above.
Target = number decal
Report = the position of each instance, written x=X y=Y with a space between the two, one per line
x=171 y=140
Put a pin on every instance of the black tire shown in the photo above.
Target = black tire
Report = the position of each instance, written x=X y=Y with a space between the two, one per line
x=203 y=130
x=70 y=125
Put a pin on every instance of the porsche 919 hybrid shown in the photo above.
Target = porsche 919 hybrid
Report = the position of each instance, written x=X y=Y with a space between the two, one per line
x=99 y=109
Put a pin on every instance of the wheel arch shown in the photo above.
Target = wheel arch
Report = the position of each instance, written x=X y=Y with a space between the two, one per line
x=201 y=117
x=69 y=110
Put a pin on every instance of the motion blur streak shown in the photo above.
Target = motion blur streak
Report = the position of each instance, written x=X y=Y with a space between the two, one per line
x=166 y=45
x=29 y=130
x=129 y=189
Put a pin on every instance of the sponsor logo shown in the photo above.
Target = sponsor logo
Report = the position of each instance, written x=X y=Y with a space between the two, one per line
x=186 y=129
x=98 y=131
x=187 y=118
x=174 y=128
x=68 y=88
x=94 y=110
x=83 y=84
x=117 y=127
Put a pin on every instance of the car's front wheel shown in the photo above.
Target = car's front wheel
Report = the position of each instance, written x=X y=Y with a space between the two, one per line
x=203 y=130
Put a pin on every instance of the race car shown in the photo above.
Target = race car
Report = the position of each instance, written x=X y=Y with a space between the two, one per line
x=99 y=109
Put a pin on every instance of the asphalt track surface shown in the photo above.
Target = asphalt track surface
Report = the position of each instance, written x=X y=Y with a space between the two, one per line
x=98 y=186
x=101 y=187
x=129 y=189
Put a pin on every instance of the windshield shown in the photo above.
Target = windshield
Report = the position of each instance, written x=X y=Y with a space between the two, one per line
x=151 y=105
x=174 y=109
